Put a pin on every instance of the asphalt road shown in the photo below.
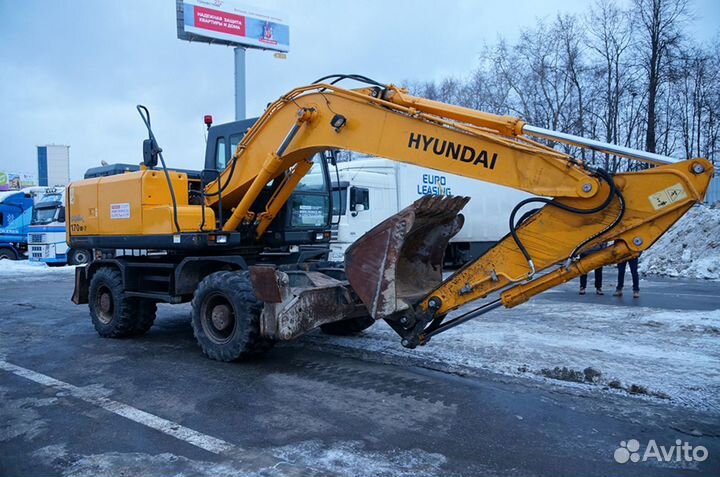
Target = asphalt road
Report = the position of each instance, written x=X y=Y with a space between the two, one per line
x=655 y=292
x=72 y=403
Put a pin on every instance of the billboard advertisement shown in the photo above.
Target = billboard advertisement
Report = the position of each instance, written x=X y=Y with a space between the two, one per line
x=230 y=23
x=15 y=180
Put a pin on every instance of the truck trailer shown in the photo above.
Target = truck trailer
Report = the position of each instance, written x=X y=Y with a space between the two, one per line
x=368 y=190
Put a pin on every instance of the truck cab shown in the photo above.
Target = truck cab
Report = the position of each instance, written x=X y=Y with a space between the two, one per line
x=46 y=234
x=15 y=215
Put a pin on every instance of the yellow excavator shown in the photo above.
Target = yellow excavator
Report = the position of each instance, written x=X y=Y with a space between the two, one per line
x=246 y=238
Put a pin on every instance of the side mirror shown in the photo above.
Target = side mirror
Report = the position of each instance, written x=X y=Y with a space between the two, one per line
x=150 y=153
x=61 y=214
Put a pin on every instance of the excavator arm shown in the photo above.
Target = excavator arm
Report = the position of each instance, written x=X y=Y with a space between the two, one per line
x=396 y=268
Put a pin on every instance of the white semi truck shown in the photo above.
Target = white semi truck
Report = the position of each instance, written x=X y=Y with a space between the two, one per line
x=46 y=236
x=369 y=190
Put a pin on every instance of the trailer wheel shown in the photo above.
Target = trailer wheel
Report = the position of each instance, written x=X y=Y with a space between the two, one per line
x=350 y=326
x=226 y=317
x=8 y=253
x=113 y=314
x=78 y=256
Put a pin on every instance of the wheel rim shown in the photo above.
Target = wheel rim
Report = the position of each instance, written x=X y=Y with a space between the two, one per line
x=80 y=258
x=218 y=318
x=104 y=305
x=6 y=254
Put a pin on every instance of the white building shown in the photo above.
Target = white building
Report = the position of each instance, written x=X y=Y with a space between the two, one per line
x=53 y=165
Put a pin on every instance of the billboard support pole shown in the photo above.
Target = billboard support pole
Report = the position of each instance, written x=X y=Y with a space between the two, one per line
x=239 y=83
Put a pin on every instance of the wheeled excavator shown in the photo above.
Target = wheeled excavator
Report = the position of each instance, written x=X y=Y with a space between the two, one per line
x=245 y=239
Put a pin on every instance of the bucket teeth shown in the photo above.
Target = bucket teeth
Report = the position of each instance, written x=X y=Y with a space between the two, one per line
x=399 y=261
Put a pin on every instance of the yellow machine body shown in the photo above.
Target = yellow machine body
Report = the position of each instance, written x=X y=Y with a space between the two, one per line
x=133 y=203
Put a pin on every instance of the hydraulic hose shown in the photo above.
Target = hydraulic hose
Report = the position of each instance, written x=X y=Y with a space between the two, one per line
x=613 y=193
x=145 y=115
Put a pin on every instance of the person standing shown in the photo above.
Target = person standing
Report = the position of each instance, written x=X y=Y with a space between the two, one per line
x=598 y=272
x=633 y=262
x=598 y=282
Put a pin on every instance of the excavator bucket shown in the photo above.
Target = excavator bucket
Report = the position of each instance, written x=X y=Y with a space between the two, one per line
x=398 y=262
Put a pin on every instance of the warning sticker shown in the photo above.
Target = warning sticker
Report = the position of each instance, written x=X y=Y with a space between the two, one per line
x=120 y=211
x=668 y=196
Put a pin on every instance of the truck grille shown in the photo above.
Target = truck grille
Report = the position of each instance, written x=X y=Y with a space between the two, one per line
x=39 y=251
x=37 y=238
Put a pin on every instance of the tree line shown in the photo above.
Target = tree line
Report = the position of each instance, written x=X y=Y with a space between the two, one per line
x=630 y=76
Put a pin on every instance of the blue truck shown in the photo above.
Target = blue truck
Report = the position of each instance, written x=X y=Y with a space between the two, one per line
x=16 y=209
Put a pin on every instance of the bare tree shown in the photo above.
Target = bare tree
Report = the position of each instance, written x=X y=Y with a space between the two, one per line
x=610 y=39
x=659 y=32
x=624 y=76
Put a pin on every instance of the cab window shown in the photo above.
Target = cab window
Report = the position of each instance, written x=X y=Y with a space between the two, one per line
x=314 y=180
x=339 y=201
x=234 y=141
x=220 y=154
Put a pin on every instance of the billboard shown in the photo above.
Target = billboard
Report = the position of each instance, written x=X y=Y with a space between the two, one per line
x=228 y=22
x=15 y=180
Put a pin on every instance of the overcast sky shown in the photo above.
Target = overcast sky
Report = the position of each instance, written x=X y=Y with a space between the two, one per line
x=71 y=72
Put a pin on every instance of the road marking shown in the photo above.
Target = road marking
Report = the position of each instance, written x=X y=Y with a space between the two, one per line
x=198 y=439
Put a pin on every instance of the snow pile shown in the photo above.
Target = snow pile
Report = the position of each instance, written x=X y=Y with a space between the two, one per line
x=24 y=269
x=690 y=249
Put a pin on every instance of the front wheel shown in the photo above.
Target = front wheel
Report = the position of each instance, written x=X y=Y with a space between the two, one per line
x=8 y=253
x=226 y=317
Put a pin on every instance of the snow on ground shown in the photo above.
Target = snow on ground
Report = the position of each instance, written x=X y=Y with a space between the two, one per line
x=690 y=249
x=670 y=355
x=27 y=270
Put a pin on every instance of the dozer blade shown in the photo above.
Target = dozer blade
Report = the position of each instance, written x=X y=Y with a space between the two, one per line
x=399 y=261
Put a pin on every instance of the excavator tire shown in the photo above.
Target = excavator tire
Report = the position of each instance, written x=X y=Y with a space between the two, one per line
x=351 y=326
x=226 y=317
x=145 y=316
x=113 y=314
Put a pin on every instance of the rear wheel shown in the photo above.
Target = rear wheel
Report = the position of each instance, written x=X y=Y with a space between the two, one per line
x=78 y=256
x=350 y=326
x=226 y=317
x=144 y=316
x=8 y=253
x=113 y=314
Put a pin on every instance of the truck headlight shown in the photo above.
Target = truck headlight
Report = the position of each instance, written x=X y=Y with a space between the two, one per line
x=319 y=236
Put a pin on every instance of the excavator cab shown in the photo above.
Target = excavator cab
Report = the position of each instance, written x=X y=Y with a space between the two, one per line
x=307 y=215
